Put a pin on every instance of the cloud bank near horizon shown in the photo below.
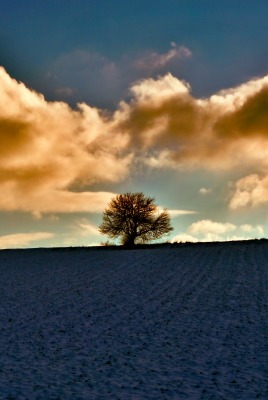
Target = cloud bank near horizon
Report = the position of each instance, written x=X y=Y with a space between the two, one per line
x=49 y=151
x=212 y=231
x=23 y=239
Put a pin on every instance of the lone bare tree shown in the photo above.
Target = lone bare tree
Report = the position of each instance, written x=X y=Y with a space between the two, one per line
x=135 y=218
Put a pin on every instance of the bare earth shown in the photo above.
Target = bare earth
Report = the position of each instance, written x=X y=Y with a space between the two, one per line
x=186 y=322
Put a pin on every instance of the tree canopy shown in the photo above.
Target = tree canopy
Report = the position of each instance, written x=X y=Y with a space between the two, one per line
x=135 y=218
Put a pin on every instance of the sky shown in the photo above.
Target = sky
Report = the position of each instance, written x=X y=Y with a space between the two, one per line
x=169 y=98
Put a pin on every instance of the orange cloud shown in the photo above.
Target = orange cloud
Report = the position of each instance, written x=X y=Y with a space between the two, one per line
x=49 y=152
x=23 y=239
x=174 y=129
x=251 y=190
x=47 y=148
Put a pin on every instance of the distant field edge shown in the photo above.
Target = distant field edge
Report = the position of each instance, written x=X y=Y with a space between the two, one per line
x=144 y=246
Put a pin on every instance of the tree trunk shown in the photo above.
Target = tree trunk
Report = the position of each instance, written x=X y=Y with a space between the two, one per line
x=130 y=241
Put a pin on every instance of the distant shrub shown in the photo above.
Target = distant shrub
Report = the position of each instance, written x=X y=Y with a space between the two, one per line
x=107 y=244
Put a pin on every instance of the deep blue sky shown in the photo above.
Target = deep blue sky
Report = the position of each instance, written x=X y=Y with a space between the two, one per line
x=228 y=39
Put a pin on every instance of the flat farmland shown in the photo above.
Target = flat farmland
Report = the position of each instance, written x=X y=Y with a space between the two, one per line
x=171 y=322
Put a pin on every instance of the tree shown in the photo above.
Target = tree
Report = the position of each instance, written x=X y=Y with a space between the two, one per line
x=135 y=218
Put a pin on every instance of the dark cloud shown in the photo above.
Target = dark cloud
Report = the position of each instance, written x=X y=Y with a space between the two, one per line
x=251 y=119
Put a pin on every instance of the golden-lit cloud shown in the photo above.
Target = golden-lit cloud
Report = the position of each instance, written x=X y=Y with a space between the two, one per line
x=176 y=130
x=225 y=132
x=251 y=190
x=51 y=154
x=48 y=149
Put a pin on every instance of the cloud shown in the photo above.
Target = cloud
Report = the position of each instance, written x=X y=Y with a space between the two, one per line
x=49 y=152
x=53 y=201
x=211 y=231
x=23 y=239
x=252 y=229
x=166 y=123
x=85 y=228
x=251 y=190
x=82 y=233
x=65 y=92
x=155 y=61
x=226 y=132
x=150 y=90
x=176 y=130
x=205 y=191
x=97 y=79
x=177 y=213
x=183 y=238
x=206 y=226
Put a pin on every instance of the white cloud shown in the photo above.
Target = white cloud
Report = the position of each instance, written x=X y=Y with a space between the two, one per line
x=94 y=244
x=151 y=90
x=177 y=213
x=205 y=191
x=210 y=227
x=257 y=230
x=183 y=238
x=211 y=231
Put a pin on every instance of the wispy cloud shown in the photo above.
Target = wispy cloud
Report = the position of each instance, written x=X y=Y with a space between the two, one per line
x=155 y=61
x=83 y=233
x=86 y=228
x=205 y=191
x=23 y=239
x=100 y=80
x=178 y=213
